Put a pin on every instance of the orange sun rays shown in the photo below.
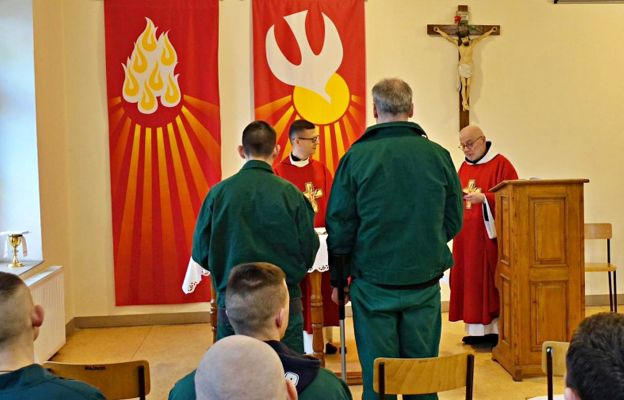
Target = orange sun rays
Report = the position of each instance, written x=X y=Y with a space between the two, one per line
x=159 y=176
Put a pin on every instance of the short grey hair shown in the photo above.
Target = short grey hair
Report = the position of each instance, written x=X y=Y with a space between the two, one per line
x=392 y=96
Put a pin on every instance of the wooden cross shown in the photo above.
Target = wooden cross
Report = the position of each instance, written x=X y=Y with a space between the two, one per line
x=462 y=30
x=311 y=193
x=470 y=189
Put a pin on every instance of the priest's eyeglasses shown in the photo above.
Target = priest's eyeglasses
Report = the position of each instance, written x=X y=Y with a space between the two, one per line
x=314 y=139
x=469 y=145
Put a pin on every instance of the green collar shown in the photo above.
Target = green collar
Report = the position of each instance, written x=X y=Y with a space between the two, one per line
x=378 y=129
x=257 y=164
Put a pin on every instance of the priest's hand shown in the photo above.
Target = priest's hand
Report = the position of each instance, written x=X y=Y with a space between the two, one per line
x=475 y=198
x=334 y=295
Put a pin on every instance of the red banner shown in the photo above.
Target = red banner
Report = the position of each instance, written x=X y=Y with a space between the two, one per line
x=309 y=63
x=165 y=139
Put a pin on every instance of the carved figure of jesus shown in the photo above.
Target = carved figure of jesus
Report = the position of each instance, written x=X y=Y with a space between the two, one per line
x=465 y=45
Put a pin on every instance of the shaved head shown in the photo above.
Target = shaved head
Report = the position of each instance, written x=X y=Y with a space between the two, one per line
x=472 y=142
x=16 y=309
x=241 y=368
x=254 y=296
x=470 y=131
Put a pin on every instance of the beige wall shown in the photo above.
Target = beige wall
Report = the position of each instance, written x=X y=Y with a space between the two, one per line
x=548 y=91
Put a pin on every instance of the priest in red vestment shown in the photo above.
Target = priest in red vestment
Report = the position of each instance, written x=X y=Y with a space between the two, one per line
x=474 y=298
x=314 y=180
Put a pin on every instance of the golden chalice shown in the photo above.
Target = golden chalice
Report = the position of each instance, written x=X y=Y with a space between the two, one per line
x=14 y=241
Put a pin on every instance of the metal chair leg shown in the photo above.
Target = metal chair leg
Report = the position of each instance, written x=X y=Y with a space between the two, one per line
x=142 y=383
x=615 y=299
x=549 y=372
x=610 y=292
x=470 y=377
x=382 y=381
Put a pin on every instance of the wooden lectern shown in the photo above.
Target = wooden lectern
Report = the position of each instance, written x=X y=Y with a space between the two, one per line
x=540 y=272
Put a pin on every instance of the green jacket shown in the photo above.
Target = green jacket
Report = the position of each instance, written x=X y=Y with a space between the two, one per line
x=326 y=386
x=255 y=216
x=35 y=382
x=395 y=203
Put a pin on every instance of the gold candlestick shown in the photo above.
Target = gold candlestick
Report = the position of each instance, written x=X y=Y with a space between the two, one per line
x=14 y=241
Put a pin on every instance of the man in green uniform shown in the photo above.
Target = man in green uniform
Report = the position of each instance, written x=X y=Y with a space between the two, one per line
x=395 y=203
x=20 y=377
x=257 y=216
x=257 y=305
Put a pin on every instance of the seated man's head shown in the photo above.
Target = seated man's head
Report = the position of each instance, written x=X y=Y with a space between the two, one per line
x=20 y=318
x=595 y=359
x=259 y=142
x=242 y=368
x=256 y=301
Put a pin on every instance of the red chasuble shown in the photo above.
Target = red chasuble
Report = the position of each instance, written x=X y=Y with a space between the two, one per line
x=474 y=298
x=314 y=180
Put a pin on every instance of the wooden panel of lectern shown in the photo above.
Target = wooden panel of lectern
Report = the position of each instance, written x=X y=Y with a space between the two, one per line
x=540 y=272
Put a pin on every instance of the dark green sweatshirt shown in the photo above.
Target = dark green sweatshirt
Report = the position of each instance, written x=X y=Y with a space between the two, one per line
x=395 y=203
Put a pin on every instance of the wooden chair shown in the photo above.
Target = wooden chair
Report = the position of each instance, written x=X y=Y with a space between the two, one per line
x=423 y=375
x=603 y=231
x=553 y=362
x=124 y=380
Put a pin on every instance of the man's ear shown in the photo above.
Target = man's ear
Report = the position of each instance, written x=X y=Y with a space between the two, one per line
x=37 y=316
x=375 y=114
x=36 y=319
x=241 y=152
x=411 y=111
x=276 y=150
x=570 y=394
x=291 y=390
x=280 y=318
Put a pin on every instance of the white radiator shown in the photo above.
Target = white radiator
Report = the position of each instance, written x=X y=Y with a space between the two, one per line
x=47 y=288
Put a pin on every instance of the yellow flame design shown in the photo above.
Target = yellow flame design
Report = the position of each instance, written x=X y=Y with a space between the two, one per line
x=172 y=95
x=139 y=62
x=148 y=103
x=168 y=56
x=159 y=58
x=148 y=37
x=155 y=80
x=131 y=85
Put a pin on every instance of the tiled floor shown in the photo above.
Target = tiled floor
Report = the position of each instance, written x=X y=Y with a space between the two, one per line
x=175 y=350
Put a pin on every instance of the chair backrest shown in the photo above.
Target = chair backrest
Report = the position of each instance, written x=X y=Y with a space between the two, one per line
x=558 y=352
x=423 y=375
x=124 y=380
x=553 y=362
x=598 y=231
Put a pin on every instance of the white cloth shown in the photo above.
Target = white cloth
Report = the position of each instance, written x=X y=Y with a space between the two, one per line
x=195 y=272
x=490 y=225
x=482 y=330
x=193 y=276
x=464 y=70
x=300 y=163
x=8 y=250
x=321 y=262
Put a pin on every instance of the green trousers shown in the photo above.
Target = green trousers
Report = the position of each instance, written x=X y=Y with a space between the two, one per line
x=293 y=337
x=394 y=323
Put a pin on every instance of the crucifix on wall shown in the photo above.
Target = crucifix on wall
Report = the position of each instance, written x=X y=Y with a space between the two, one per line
x=467 y=37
